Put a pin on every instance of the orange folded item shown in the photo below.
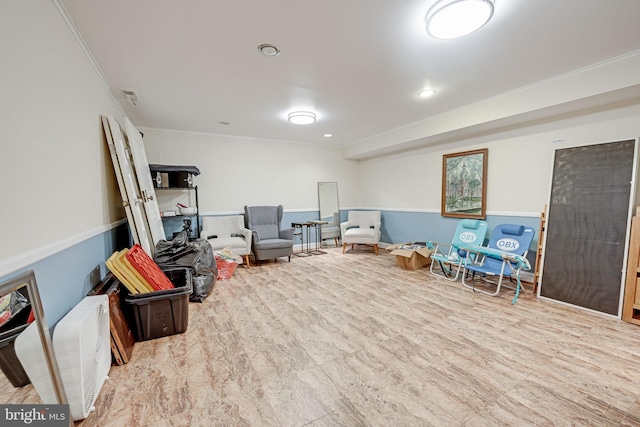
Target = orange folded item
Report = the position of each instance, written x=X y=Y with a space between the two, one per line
x=148 y=269
x=133 y=274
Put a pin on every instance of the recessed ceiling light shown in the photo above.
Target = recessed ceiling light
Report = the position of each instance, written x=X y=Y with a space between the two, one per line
x=222 y=122
x=268 y=50
x=327 y=135
x=302 y=117
x=448 y=19
x=427 y=93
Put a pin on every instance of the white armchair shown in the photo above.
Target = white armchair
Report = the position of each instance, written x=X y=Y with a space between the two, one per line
x=361 y=228
x=227 y=232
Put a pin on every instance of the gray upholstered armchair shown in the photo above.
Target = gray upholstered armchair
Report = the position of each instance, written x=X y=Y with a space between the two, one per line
x=269 y=240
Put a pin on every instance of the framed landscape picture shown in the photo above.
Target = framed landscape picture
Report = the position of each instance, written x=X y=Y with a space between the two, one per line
x=464 y=184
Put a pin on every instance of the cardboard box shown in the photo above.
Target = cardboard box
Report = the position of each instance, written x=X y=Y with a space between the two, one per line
x=411 y=256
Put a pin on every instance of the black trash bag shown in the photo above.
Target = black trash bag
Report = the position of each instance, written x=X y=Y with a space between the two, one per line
x=14 y=310
x=194 y=254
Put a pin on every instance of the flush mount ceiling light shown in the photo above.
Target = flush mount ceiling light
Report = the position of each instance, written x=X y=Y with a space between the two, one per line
x=302 y=117
x=448 y=19
x=268 y=50
x=426 y=93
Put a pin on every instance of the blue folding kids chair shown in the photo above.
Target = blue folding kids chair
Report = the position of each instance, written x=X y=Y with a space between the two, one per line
x=450 y=258
x=504 y=256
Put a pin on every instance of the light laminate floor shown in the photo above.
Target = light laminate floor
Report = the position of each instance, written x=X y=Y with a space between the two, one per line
x=352 y=340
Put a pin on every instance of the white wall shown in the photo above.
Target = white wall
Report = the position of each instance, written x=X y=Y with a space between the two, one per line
x=241 y=171
x=519 y=164
x=58 y=184
x=56 y=174
x=237 y=171
x=608 y=82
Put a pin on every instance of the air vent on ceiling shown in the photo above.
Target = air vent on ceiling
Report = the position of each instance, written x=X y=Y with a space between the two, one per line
x=131 y=96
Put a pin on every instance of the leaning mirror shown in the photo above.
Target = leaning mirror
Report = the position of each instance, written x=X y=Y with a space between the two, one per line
x=329 y=211
x=22 y=321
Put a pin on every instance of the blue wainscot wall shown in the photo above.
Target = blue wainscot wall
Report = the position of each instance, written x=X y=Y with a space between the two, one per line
x=65 y=277
x=400 y=227
x=407 y=226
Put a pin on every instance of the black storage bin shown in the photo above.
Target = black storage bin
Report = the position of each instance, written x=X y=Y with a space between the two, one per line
x=9 y=363
x=161 y=313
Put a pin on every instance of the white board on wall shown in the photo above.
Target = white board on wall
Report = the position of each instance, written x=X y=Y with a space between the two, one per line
x=588 y=225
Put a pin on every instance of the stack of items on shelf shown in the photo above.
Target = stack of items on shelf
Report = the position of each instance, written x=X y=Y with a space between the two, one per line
x=177 y=180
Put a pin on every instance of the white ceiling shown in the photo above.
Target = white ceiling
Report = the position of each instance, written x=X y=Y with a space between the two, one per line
x=359 y=64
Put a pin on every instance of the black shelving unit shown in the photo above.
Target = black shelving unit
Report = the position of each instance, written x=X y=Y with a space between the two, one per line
x=197 y=206
x=177 y=178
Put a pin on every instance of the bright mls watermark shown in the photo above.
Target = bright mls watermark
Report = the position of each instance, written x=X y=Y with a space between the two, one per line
x=34 y=415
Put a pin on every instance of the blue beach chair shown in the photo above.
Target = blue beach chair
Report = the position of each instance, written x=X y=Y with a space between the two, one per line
x=504 y=256
x=450 y=258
